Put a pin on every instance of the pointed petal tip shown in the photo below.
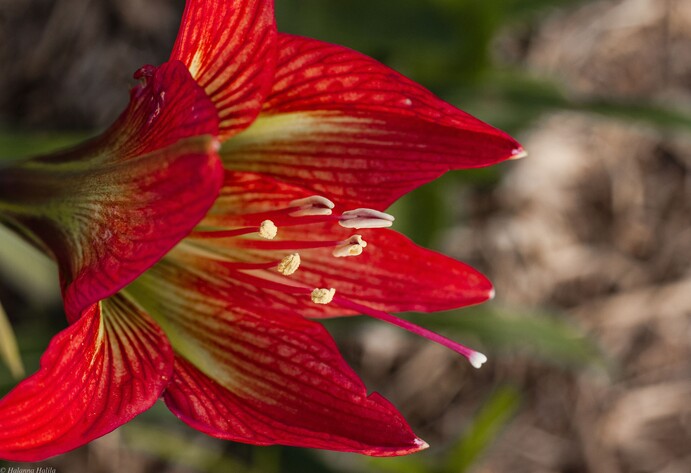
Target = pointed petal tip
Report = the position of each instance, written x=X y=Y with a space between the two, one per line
x=415 y=446
x=491 y=294
x=518 y=153
x=420 y=444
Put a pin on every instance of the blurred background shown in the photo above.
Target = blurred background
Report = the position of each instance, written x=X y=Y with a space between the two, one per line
x=588 y=240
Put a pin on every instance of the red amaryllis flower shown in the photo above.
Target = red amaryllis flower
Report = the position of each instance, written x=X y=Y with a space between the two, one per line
x=317 y=141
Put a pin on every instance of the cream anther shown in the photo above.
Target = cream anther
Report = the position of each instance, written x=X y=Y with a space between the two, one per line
x=323 y=296
x=357 y=240
x=289 y=264
x=268 y=230
x=347 y=250
x=312 y=206
x=477 y=359
x=351 y=247
x=365 y=218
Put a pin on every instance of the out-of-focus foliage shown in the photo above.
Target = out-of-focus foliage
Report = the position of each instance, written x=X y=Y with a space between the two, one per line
x=9 y=351
x=542 y=336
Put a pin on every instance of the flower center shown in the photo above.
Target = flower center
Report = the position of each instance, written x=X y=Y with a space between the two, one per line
x=254 y=250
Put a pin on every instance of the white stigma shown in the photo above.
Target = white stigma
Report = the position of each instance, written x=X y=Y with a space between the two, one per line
x=353 y=246
x=268 y=230
x=312 y=206
x=323 y=296
x=365 y=218
x=477 y=359
x=289 y=264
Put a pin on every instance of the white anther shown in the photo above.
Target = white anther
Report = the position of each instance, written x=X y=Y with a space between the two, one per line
x=268 y=230
x=315 y=200
x=477 y=359
x=312 y=206
x=351 y=247
x=365 y=218
x=323 y=296
x=289 y=264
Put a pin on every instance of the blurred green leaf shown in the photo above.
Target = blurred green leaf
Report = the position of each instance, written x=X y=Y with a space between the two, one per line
x=9 y=351
x=545 y=336
x=19 y=144
x=179 y=449
x=513 y=100
x=496 y=412
x=422 y=214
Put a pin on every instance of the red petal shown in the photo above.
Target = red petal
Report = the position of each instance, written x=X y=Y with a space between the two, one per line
x=250 y=374
x=341 y=124
x=245 y=194
x=230 y=49
x=96 y=375
x=111 y=208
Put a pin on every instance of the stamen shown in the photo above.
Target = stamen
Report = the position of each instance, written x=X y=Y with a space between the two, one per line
x=289 y=264
x=365 y=218
x=475 y=358
x=353 y=246
x=215 y=234
x=323 y=296
x=312 y=206
x=268 y=230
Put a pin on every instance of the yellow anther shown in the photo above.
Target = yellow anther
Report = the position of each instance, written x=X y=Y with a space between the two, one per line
x=289 y=264
x=323 y=296
x=268 y=230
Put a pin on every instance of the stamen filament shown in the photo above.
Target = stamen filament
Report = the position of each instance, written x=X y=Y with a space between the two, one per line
x=474 y=357
x=223 y=233
x=271 y=285
x=266 y=230
x=240 y=265
x=288 y=244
